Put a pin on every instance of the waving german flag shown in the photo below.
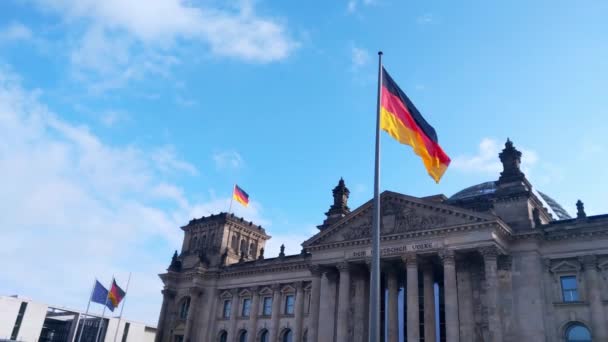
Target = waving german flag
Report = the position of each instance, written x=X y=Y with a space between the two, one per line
x=240 y=195
x=400 y=118
x=115 y=295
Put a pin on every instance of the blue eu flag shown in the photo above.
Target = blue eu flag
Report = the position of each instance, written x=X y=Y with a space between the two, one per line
x=100 y=295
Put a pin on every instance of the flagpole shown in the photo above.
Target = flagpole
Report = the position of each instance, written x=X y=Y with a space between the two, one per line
x=122 y=307
x=86 y=313
x=374 y=295
x=103 y=312
x=231 y=198
x=101 y=322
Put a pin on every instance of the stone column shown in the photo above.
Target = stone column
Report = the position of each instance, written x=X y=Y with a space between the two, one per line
x=214 y=300
x=343 y=302
x=276 y=312
x=168 y=295
x=327 y=307
x=253 y=315
x=490 y=255
x=413 y=319
x=450 y=296
x=234 y=313
x=299 y=311
x=315 y=299
x=360 y=319
x=598 y=319
x=194 y=296
x=465 y=299
x=393 y=304
x=428 y=279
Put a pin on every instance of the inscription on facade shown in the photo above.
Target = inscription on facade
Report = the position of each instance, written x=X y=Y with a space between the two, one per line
x=395 y=250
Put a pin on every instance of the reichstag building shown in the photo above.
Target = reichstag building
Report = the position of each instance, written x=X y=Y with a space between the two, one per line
x=498 y=261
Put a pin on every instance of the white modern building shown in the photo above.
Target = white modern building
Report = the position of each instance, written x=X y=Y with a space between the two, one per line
x=25 y=320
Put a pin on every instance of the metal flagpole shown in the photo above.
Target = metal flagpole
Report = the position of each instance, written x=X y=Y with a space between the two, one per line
x=103 y=312
x=86 y=312
x=122 y=307
x=374 y=292
x=231 y=198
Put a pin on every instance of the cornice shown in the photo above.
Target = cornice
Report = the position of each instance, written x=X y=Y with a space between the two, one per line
x=259 y=269
x=415 y=202
x=501 y=229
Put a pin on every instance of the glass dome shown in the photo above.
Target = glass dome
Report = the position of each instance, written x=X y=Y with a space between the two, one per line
x=487 y=190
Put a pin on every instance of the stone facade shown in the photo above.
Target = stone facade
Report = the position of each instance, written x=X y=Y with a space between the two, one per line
x=499 y=261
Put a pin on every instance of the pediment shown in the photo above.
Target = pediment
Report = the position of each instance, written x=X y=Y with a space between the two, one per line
x=399 y=214
x=566 y=266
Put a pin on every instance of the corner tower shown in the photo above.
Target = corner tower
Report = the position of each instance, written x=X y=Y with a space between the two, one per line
x=339 y=208
x=220 y=240
x=515 y=201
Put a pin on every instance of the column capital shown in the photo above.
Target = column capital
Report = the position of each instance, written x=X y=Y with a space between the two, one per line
x=330 y=275
x=169 y=293
x=275 y=287
x=298 y=285
x=588 y=261
x=447 y=257
x=315 y=270
x=344 y=267
x=505 y=262
x=195 y=291
x=489 y=252
x=410 y=259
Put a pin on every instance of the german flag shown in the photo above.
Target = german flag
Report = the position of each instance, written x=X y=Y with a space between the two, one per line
x=400 y=118
x=115 y=295
x=240 y=195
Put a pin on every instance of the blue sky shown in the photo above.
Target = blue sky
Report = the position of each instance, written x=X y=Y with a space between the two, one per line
x=122 y=120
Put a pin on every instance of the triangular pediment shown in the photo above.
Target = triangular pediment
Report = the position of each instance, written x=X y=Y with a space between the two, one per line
x=566 y=266
x=400 y=214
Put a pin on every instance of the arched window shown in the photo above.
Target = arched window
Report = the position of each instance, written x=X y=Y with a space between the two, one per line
x=252 y=250
x=184 y=307
x=264 y=336
x=287 y=336
x=203 y=241
x=223 y=336
x=193 y=243
x=577 y=332
x=244 y=246
x=234 y=243
x=243 y=336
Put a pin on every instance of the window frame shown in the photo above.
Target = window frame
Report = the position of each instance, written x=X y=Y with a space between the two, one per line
x=248 y=307
x=567 y=293
x=289 y=308
x=269 y=299
x=227 y=308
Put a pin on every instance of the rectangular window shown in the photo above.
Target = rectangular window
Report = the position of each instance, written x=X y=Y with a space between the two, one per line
x=18 y=321
x=267 y=309
x=227 y=308
x=246 y=307
x=125 y=333
x=289 y=304
x=569 y=289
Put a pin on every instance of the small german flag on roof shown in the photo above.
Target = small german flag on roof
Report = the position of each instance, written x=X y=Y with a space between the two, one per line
x=240 y=195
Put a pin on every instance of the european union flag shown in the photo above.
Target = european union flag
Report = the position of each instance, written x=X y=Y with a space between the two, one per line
x=100 y=295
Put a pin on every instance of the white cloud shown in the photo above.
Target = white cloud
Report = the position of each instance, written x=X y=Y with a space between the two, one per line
x=353 y=5
x=125 y=40
x=359 y=57
x=15 y=31
x=167 y=161
x=486 y=160
x=110 y=118
x=228 y=160
x=426 y=18
x=75 y=208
